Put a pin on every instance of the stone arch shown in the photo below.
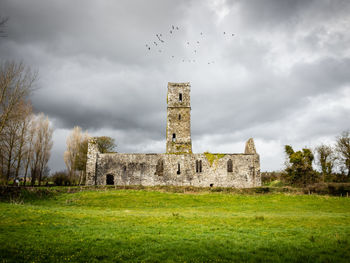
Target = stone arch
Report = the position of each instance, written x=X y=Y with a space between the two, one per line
x=109 y=179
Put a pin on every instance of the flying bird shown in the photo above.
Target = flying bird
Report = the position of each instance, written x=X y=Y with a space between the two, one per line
x=173 y=27
x=177 y=28
x=233 y=34
x=224 y=32
x=155 y=43
x=188 y=43
x=171 y=32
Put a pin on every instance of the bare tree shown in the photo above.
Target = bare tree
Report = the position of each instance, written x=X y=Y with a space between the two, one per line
x=42 y=145
x=23 y=132
x=9 y=139
x=29 y=147
x=73 y=155
x=343 y=150
x=16 y=83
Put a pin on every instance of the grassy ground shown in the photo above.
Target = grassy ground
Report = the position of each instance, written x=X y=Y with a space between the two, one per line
x=155 y=226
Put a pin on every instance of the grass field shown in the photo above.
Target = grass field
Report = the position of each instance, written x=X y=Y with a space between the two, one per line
x=154 y=226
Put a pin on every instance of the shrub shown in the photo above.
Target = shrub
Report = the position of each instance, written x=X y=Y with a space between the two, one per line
x=61 y=178
x=339 y=189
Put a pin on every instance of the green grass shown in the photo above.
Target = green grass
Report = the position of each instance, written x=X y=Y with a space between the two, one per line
x=154 y=226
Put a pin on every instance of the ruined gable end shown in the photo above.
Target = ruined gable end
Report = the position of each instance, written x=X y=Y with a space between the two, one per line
x=250 y=147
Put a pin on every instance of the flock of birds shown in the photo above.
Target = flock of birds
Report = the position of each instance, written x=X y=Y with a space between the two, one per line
x=158 y=44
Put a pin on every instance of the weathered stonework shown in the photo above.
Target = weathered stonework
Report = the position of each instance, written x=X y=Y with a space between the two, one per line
x=178 y=133
x=178 y=166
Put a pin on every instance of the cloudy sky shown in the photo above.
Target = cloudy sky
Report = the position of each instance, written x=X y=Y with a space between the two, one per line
x=283 y=78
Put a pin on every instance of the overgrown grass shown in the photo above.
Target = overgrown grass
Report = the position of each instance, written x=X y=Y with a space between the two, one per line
x=158 y=226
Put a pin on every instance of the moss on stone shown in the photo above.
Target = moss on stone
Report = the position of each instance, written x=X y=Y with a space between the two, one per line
x=213 y=157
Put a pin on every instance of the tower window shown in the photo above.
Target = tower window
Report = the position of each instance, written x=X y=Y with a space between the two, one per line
x=229 y=166
x=179 y=117
x=178 y=169
x=174 y=137
x=180 y=97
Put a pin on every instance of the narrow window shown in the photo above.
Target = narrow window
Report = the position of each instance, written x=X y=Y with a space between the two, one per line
x=178 y=169
x=179 y=117
x=174 y=137
x=198 y=166
x=229 y=166
x=180 y=97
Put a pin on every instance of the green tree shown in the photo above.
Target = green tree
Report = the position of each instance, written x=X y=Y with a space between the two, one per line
x=299 y=166
x=106 y=144
x=325 y=159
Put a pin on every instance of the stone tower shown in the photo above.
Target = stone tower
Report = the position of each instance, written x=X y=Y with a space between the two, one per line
x=178 y=133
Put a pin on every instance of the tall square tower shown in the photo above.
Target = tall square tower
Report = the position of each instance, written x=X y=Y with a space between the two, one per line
x=178 y=134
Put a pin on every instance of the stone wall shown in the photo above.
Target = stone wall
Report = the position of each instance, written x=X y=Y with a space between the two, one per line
x=162 y=169
x=91 y=163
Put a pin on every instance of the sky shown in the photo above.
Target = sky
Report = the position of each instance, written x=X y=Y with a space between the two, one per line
x=274 y=70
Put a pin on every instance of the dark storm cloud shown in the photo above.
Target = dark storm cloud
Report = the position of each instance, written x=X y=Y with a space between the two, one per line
x=111 y=30
x=273 y=80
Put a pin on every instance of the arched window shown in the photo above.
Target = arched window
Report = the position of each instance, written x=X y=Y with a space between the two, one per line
x=178 y=169
x=174 y=137
x=180 y=97
x=179 y=117
x=109 y=179
x=229 y=166
x=198 y=166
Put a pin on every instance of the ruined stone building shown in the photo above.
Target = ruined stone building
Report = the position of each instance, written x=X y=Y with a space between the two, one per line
x=178 y=166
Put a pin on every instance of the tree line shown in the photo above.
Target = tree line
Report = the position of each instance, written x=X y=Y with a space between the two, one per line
x=325 y=163
x=25 y=137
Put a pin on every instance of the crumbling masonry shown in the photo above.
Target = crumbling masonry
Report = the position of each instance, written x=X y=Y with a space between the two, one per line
x=178 y=166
